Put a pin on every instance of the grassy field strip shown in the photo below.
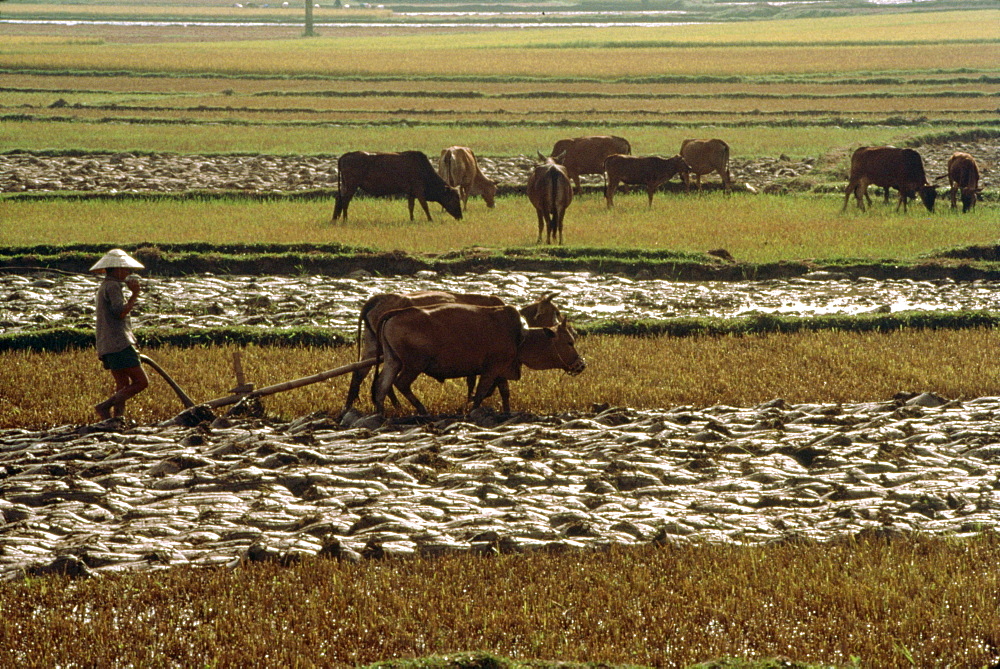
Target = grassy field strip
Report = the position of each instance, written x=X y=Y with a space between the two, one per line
x=808 y=140
x=753 y=229
x=628 y=110
x=334 y=58
x=828 y=366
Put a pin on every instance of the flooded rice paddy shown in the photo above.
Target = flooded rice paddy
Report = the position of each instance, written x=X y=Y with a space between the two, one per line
x=47 y=299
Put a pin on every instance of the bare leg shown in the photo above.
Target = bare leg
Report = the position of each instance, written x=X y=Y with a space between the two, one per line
x=128 y=383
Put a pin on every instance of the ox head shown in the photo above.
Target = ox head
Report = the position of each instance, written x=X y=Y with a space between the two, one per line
x=541 y=313
x=558 y=160
x=928 y=195
x=563 y=342
x=969 y=198
x=681 y=166
x=452 y=202
x=552 y=348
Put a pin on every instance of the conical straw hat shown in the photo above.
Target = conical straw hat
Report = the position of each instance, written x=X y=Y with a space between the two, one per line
x=116 y=258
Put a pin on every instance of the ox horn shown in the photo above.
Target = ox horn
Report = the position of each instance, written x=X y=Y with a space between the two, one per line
x=540 y=156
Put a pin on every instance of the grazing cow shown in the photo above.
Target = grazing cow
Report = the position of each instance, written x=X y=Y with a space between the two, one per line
x=408 y=173
x=963 y=177
x=649 y=171
x=450 y=341
x=705 y=156
x=585 y=155
x=459 y=168
x=551 y=192
x=540 y=313
x=888 y=167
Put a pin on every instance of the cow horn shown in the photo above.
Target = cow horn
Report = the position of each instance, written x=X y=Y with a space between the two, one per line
x=540 y=156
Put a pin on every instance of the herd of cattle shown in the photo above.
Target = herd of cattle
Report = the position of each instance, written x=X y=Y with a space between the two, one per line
x=450 y=335
x=550 y=183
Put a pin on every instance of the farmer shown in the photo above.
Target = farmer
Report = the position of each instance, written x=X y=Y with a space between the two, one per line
x=115 y=341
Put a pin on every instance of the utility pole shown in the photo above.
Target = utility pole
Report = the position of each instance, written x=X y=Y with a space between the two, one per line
x=309 y=20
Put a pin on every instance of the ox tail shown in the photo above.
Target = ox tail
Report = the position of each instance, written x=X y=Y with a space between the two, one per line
x=555 y=188
x=338 y=201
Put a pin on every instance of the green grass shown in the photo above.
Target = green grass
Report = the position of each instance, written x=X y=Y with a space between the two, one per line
x=754 y=229
x=487 y=139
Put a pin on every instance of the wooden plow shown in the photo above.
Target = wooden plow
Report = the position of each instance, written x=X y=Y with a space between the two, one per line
x=244 y=390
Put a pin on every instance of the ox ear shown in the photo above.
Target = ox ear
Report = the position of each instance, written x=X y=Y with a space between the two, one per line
x=547 y=297
x=559 y=158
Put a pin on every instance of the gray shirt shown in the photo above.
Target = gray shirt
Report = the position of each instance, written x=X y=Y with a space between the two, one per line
x=114 y=333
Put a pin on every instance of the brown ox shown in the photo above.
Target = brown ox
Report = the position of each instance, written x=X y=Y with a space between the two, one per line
x=585 y=155
x=551 y=192
x=888 y=167
x=450 y=341
x=963 y=177
x=540 y=313
x=459 y=168
x=705 y=156
x=408 y=173
x=649 y=171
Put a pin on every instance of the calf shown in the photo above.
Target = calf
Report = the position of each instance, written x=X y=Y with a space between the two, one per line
x=585 y=155
x=649 y=171
x=963 y=177
x=705 y=156
x=459 y=168
x=550 y=191
x=888 y=167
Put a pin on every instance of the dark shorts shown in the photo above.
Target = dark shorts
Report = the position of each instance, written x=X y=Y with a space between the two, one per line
x=124 y=359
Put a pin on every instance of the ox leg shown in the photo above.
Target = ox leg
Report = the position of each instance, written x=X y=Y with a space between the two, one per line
x=470 y=384
x=487 y=384
x=902 y=200
x=341 y=203
x=504 y=394
x=383 y=383
x=403 y=382
x=650 y=190
x=853 y=188
x=609 y=194
x=541 y=226
x=953 y=194
x=368 y=350
x=423 y=204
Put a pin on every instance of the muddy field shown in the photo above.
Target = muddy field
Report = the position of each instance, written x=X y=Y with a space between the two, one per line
x=105 y=498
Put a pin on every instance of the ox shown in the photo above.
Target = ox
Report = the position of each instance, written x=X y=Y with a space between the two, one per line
x=888 y=167
x=408 y=173
x=649 y=171
x=459 y=168
x=540 y=313
x=963 y=177
x=585 y=155
x=705 y=156
x=450 y=341
x=550 y=191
